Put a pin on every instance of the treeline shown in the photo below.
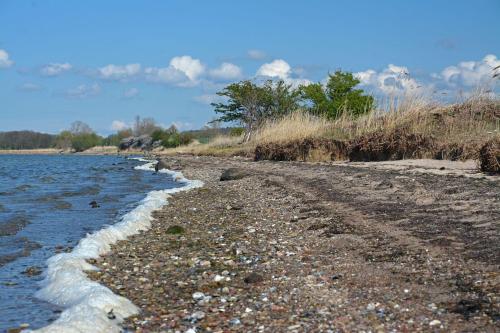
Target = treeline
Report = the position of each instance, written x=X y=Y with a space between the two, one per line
x=26 y=140
x=252 y=104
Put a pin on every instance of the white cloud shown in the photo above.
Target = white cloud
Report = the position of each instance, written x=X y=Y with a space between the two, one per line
x=256 y=54
x=470 y=73
x=131 y=93
x=118 y=125
x=4 y=59
x=280 y=69
x=226 y=71
x=208 y=99
x=192 y=68
x=30 y=87
x=83 y=91
x=55 y=69
x=277 y=68
x=183 y=71
x=392 y=80
x=121 y=73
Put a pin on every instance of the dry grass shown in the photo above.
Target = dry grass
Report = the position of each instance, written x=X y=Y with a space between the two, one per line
x=409 y=127
x=296 y=126
x=219 y=146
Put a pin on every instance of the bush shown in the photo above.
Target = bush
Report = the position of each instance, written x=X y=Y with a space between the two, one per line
x=81 y=142
x=236 y=131
x=171 y=138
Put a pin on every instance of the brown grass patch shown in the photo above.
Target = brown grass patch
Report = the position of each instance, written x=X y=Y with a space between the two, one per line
x=489 y=156
x=309 y=149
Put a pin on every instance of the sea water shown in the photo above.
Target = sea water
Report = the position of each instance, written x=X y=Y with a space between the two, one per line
x=46 y=212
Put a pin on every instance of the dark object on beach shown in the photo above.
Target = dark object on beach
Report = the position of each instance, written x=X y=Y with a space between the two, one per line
x=111 y=315
x=161 y=164
x=302 y=150
x=94 y=204
x=489 y=156
x=253 y=278
x=233 y=174
x=175 y=230
x=336 y=276
x=32 y=271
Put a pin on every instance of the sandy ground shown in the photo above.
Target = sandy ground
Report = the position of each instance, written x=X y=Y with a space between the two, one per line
x=301 y=247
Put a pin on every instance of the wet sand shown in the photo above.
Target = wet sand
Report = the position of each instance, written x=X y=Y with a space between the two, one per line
x=300 y=247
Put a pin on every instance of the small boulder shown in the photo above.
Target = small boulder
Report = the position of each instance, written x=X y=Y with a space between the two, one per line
x=233 y=174
x=253 y=278
x=161 y=164
x=94 y=204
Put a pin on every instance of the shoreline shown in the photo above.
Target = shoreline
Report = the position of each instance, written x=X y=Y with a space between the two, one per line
x=314 y=246
x=90 y=306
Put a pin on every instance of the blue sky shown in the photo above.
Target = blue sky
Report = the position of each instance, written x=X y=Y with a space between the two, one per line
x=104 y=62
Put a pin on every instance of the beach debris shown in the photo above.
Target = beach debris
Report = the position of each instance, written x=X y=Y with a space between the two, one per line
x=233 y=174
x=111 y=315
x=197 y=296
x=32 y=271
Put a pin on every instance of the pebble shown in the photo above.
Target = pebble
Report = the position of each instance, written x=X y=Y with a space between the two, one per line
x=235 y=321
x=435 y=322
x=197 y=296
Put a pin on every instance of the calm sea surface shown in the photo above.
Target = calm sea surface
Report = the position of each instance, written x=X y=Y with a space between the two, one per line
x=44 y=210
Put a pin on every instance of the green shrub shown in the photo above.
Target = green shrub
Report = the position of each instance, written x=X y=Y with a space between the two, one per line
x=84 y=141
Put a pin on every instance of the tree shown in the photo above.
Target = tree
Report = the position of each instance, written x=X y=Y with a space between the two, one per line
x=79 y=127
x=251 y=104
x=145 y=126
x=337 y=97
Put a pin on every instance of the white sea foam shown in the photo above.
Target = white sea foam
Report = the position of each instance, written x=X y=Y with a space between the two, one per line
x=87 y=303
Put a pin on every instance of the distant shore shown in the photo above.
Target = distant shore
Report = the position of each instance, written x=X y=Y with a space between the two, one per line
x=100 y=150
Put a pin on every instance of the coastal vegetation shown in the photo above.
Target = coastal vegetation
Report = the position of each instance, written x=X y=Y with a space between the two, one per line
x=337 y=121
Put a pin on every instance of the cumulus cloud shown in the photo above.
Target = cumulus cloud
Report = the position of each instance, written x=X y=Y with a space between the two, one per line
x=83 y=91
x=277 y=68
x=118 y=125
x=226 y=71
x=391 y=80
x=470 y=73
x=280 y=69
x=183 y=71
x=30 y=87
x=119 y=73
x=131 y=93
x=256 y=54
x=55 y=69
x=4 y=59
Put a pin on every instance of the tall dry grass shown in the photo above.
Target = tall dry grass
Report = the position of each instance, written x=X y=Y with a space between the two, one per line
x=468 y=123
x=476 y=119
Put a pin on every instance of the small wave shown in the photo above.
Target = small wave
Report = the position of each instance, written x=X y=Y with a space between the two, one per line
x=86 y=302
x=23 y=187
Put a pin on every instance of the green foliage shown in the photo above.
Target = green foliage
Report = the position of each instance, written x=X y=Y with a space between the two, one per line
x=63 y=140
x=251 y=104
x=236 y=131
x=337 y=97
x=84 y=141
x=171 y=138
